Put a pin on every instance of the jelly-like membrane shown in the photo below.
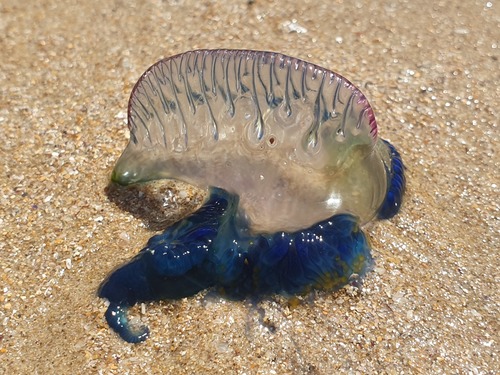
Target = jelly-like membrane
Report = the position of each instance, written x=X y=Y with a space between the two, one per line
x=296 y=142
x=290 y=154
x=213 y=248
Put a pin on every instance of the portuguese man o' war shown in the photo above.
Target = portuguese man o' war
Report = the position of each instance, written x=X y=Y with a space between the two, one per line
x=291 y=156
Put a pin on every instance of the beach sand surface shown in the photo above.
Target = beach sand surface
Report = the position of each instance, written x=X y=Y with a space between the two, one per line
x=431 y=71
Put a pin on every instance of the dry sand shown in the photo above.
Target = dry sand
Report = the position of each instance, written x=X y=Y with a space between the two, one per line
x=431 y=305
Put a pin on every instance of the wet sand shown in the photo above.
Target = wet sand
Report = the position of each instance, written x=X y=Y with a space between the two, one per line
x=431 y=304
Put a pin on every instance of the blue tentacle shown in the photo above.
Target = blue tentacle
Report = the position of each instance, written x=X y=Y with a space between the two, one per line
x=172 y=265
x=396 y=185
x=116 y=316
x=214 y=247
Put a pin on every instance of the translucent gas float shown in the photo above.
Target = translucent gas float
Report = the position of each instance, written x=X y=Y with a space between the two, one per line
x=291 y=156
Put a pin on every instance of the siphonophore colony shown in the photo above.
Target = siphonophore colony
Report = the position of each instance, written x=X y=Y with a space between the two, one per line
x=291 y=156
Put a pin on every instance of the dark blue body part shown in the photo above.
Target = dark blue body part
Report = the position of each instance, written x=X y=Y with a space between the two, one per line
x=213 y=247
x=322 y=256
x=171 y=266
x=396 y=185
